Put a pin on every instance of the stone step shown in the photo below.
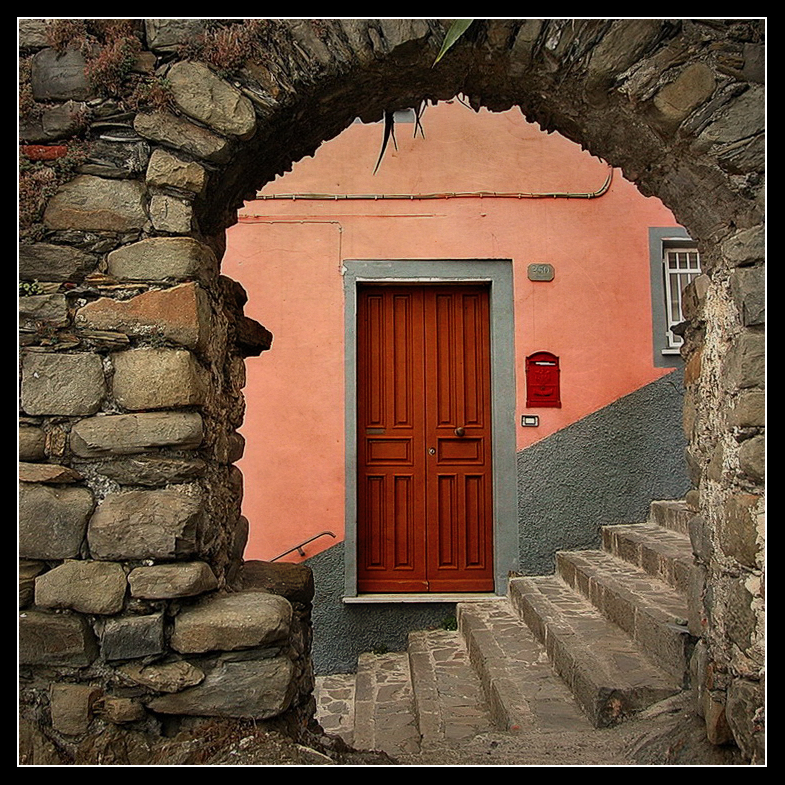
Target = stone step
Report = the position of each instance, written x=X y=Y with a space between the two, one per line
x=603 y=667
x=384 y=716
x=520 y=686
x=660 y=552
x=672 y=514
x=334 y=696
x=448 y=697
x=651 y=613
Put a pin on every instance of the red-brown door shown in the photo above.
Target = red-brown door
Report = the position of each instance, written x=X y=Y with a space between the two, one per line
x=424 y=427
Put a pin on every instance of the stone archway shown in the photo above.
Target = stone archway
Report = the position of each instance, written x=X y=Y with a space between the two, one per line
x=133 y=342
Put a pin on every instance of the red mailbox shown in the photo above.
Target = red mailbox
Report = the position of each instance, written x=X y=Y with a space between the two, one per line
x=542 y=380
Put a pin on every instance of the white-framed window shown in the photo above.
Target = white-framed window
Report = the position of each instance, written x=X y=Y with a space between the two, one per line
x=675 y=261
x=681 y=264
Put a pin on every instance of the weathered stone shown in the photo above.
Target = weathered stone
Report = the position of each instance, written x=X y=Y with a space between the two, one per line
x=293 y=581
x=35 y=749
x=64 y=120
x=55 y=639
x=744 y=712
x=177 y=132
x=622 y=46
x=126 y=434
x=749 y=410
x=166 y=170
x=743 y=118
x=117 y=158
x=48 y=472
x=717 y=729
x=28 y=571
x=48 y=308
x=169 y=214
x=745 y=247
x=179 y=314
x=739 y=616
x=745 y=363
x=97 y=204
x=259 y=689
x=31 y=443
x=200 y=94
x=161 y=258
x=66 y=384
x=166 y=581
x=738 y=529
x=752 y=457
x=522 y=48
x=165 y=677
x=235 y=447
x=32 y=33
x=152 y=471
x=160 y=524
x=157 y=379
x=234 y=621
x=130 y=637
x=694 y=296
x=52 y=521
x=692 y=87
x=748 y=286
x=84 y=586
x=692 y=369
x=72 y=707
x=60 y=77
x=169 y=34
x=121 y=710
x=45 y=262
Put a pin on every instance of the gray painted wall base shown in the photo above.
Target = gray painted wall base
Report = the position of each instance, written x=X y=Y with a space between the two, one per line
x=604 y=469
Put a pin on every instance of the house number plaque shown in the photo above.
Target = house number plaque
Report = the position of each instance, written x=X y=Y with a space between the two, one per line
x=541 y=272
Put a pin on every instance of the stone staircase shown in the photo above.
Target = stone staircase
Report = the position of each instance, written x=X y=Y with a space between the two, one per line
x=612 y=624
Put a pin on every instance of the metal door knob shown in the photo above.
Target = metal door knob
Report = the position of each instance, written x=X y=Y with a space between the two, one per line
x=459 y=432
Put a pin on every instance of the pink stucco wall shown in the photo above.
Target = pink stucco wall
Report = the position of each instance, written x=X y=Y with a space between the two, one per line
x=595 y=315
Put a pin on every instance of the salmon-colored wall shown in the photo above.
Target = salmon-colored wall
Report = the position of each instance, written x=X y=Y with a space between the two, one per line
x=595 y=315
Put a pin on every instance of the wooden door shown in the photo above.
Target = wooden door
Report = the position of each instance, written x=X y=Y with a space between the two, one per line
x=424 y=427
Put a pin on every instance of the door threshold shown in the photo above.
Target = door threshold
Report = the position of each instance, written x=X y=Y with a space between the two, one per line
x=369 y=599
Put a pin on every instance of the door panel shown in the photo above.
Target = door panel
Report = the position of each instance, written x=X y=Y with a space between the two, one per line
x=424 y=486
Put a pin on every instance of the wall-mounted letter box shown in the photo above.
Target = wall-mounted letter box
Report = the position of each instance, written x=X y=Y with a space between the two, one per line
x=542 y=380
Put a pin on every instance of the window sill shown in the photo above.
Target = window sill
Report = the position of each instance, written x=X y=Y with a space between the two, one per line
x=370 y=599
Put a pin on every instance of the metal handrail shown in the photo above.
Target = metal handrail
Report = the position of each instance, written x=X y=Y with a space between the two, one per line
x=299 y=548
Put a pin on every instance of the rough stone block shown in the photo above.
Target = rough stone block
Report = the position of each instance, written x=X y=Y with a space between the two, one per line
x=72 y=707
x=259 y=689
x=166 y=581
x=169 y=34
x=749 y=410
x=52 y=521
x=234 y=621
x=717 y=729
x=752 y=458
x=130 y=637
x=49 y=309
x=745 y=364
x=28 y=571
x=152 y=471
x=166 y=170
x=49 y=473
x=160 y=524
x=163 y=677
x=748 y=286
x=126 y=434
x=97 y=204
x=180 y=315
x=744 y=710
x=31 y=443
x=174 y=131
x=293 y=581
x=161 y=258
x=55 y=639
x=45 y=262
x=156 y=379
x=692 y=87
x=743 y=118
x=121 y=710
x=84 y=586
x=170 y=214
x=747 y=246
x=740 y=621
x=32 y=33
x=737 y=529
x=60 y=77
x=62 y=384
x=200 y=94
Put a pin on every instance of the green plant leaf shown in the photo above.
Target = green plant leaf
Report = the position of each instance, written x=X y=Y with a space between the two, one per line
x=456 y=30
x=389 y=131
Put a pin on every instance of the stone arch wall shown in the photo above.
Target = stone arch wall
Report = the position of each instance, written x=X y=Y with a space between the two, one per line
x=133 y=344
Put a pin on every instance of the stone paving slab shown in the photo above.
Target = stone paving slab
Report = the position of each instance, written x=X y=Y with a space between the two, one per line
x=605 y=670
x=522 y=689
x=334 y=695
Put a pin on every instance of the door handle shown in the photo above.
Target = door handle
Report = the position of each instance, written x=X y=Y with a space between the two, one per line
x=460 y=432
